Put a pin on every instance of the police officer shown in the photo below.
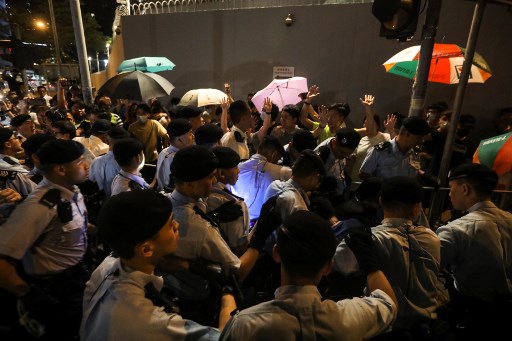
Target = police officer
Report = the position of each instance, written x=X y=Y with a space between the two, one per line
x=396 y=157
x=304 y=250
x=43 y=243
x=193 y=169
x=181 y=135
x=334 y=152
x=193 y=114
x=227 y=206
x=129 y=154
x=12 y=174
x=476 y=248
x=122 y=300
x=408 y=254
x=104 y=168
x=31 y=146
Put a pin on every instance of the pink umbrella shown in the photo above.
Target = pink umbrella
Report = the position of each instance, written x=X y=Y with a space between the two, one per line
x=281 y=92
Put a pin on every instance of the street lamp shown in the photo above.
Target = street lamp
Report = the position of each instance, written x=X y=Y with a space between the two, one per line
x=90 y=65
x=98 y=61
x=108 y=50
x=55 y=38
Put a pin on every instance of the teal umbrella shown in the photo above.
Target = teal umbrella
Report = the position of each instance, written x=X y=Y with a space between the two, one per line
x=146 y=64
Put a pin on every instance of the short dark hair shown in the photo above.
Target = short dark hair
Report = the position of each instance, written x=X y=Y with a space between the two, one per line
x=65 y=127
x=342 y=108
x=237 y=109
x=482 y=187
x=126 y=149
x=144 y=107
x=308 y=163
x=306 y=243
x=293 y=110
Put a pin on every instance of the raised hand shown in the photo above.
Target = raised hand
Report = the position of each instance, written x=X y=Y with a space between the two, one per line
x=313 y=92
x=389 y=122
x=368 y=100
x=323 y=113
x=267 y=105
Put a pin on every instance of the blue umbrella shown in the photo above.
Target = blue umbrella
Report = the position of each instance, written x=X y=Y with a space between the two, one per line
x=146 y=64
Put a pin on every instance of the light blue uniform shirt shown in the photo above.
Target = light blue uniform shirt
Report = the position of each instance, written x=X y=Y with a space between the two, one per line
x=103 y=170
x=388 y=162
x=163 y=166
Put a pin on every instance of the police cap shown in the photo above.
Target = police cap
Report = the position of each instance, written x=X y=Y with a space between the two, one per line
x=416 y=125
x=5 y=134
x=189 y=111
x=178 y=127
x=16 y=121
x=208 y=133
x=473 y=171
x=59 y=151
x=348 y=138
x=401 y=189
x=121 y=221
x=228 y=158
x=101 y=126
x=33 y=142
x=193 y=163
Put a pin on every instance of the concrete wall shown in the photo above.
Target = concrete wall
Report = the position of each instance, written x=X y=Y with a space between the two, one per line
x=335 y=46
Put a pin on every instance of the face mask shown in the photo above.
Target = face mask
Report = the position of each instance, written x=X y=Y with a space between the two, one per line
x=142 y=119
x=141 y=165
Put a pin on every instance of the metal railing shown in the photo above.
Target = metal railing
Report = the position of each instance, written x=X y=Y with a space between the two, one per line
x=177 y=6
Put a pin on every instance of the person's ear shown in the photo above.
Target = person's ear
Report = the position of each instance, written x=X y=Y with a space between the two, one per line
x=145 y=249
x=327 y=268
x=466 y=189
x=275 y=254
x=59 y=169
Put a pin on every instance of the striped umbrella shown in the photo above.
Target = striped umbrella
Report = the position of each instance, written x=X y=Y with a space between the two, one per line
x=445 y=67
x=496 y=153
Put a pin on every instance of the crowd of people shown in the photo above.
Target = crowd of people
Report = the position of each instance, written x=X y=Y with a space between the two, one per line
x=133 y=221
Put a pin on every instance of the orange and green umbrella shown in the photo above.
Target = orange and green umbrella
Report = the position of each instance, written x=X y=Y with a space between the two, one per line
x=445 y=67
x=496 y=153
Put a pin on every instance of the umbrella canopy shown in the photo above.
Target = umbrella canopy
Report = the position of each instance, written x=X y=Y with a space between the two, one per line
x=146 y=64
x=445 y=67
x=202 y=97
x=281 y=92
x=495 y=153
x=136 y=86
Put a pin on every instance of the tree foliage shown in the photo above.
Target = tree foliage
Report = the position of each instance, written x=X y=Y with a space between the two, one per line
x=27 y=14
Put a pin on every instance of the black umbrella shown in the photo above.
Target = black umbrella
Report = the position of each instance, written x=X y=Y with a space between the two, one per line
x=136 y=86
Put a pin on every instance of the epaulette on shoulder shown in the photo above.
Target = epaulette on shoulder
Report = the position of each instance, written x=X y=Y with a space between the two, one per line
x=9 y=161
x=51 y=198
x=383 y=146
x=8 y=174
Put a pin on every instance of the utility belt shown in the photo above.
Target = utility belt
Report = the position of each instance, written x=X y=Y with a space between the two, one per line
x=72 y=279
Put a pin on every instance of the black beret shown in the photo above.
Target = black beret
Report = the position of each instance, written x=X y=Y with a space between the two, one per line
x=101 y=126
x=369 y=189
x=303 y=139
x=189 y=111
x=473 y=171
x=208 y=133
x=416 y=125
x=118 y=133
x=5 y=134
x=33 y=142
x=16 y=121
x=193 y=163
x=178 y=127
x=401 y=189
x=228 y=158
x=348 y=138
x=59 y=151
x=121 y=220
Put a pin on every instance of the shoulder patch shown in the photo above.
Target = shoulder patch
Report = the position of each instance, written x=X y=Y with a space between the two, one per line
x=8 y=174
x=9 y=161
x=239 y=137
x=383 y=146
x=51 y=198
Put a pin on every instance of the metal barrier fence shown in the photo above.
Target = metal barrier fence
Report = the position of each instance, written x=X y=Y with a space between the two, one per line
x=176 y=6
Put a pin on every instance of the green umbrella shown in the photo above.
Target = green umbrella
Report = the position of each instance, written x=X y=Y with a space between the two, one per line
x=146 y=64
